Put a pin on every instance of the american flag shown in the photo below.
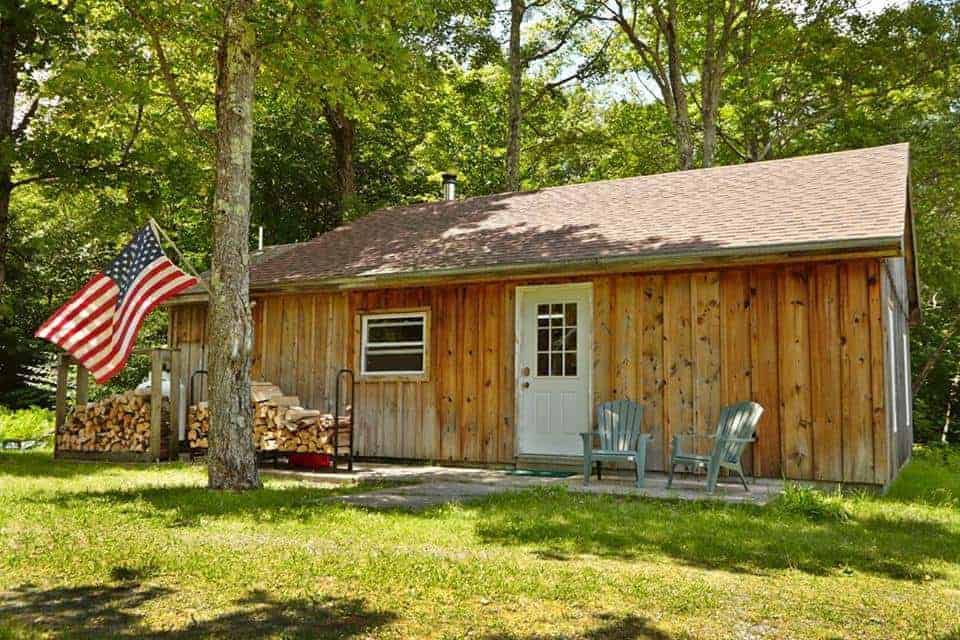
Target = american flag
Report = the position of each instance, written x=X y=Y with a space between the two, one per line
x=99 y=324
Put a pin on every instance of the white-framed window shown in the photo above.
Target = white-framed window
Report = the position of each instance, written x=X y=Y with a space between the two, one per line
x=394 y=344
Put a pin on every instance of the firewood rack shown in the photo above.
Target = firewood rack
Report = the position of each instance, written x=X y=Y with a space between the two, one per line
x=195 y=452
x=338 y=455
x=343 y=405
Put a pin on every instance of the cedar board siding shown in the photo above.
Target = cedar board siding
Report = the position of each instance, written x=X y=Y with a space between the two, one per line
x=806 y=341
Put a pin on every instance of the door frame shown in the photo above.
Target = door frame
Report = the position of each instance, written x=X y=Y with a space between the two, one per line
x=518 y=307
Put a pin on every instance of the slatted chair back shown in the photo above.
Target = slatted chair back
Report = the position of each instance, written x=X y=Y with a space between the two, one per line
x=739 y=423
x=618 y=425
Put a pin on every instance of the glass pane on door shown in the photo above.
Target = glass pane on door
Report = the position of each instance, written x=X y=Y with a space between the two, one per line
x=557 y=339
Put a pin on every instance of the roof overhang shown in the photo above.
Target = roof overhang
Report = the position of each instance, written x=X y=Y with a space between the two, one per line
x=910 y=260
x=712 y=258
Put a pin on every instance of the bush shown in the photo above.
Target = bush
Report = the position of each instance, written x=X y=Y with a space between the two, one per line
x=25 y=424
x=811 y=504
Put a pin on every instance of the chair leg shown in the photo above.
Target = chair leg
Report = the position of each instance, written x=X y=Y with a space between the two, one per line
x=670 y=477
x=640 y=461
x=743 y=480
x=599 y=472
x=586 y=469
x=713 y=474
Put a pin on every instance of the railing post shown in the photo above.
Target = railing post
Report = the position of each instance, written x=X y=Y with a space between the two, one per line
x=61 y=414
x=176 y=399
x=83 y=385
x=156 y=401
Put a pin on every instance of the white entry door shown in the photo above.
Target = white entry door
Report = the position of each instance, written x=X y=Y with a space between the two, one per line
x=554 y=337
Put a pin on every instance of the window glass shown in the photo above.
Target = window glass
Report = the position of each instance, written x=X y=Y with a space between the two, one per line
x=543 y=364
x=394 y=343
x=557 y=339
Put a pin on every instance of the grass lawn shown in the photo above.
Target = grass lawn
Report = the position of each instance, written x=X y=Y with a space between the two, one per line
x=109 y=551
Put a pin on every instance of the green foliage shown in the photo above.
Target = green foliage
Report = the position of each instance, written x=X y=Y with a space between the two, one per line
x=25 y=424
x=932 y=477
x=812 y=504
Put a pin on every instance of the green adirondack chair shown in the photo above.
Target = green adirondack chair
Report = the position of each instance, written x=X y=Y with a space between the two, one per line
x=619 y=437
x=736 y=428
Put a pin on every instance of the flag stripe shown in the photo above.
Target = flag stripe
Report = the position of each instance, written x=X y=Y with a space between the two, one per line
x=182 y=284
x=123 y=335
x=100 y=322
x=81 y=343
x=135 y=297
x=76 y=303
x=108 y=300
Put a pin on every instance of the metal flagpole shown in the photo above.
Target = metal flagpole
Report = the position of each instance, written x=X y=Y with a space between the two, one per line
x=158 y=230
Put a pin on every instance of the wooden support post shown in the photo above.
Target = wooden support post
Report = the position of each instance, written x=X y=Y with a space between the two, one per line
x=156 y=401
x=61 y=414
x=176 y=379
x=83 y=385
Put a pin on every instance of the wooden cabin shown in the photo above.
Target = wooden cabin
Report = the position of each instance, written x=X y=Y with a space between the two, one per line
x=484 y=330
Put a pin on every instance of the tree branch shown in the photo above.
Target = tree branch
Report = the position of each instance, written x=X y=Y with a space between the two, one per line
x=169 y=78
x=562 y=39
x=88 y=169
x=25 y=121
x=583 y=71
x=133 y=136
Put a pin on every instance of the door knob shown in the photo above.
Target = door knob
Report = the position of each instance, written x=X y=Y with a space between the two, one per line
x=525 y=385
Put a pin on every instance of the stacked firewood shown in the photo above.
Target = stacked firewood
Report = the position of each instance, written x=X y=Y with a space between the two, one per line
x=279 y=423
x=116 y=423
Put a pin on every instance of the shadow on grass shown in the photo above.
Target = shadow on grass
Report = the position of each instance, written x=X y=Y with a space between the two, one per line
x=187 y=506
x=736 y=538
x=628 y=627
x=113 y=611
x=40 y=464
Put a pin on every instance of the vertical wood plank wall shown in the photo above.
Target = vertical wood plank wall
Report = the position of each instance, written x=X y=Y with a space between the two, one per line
x=805 y=340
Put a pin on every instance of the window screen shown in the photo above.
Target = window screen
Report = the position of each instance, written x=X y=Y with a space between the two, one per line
x=394 y=343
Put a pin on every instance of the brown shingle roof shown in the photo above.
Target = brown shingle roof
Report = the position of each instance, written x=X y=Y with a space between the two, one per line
x=850 y=198
x=857 y=196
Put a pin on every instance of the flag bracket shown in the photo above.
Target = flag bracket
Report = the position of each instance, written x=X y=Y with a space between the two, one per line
x=160 y=233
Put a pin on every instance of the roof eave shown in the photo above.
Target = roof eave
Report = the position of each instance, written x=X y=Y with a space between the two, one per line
x=702 y=259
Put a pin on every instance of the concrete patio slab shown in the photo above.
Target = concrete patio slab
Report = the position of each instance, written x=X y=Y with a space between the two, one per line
x=371 y=473
x=761 y=491
x=427 y=486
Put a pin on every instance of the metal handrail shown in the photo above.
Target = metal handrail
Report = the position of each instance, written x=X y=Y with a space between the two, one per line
x=336 y=418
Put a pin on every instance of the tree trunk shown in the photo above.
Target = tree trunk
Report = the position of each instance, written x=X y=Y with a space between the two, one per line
x=4 y=225
x=683 y=129
x=517 y=9
x=710 y=90
x=8 y=94
x=343 y=135
x=231 y=458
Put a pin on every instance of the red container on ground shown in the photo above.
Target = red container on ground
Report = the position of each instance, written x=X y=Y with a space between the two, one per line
x=314 y=461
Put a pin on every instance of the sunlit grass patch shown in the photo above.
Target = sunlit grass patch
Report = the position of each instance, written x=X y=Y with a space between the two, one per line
x=98 y=550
